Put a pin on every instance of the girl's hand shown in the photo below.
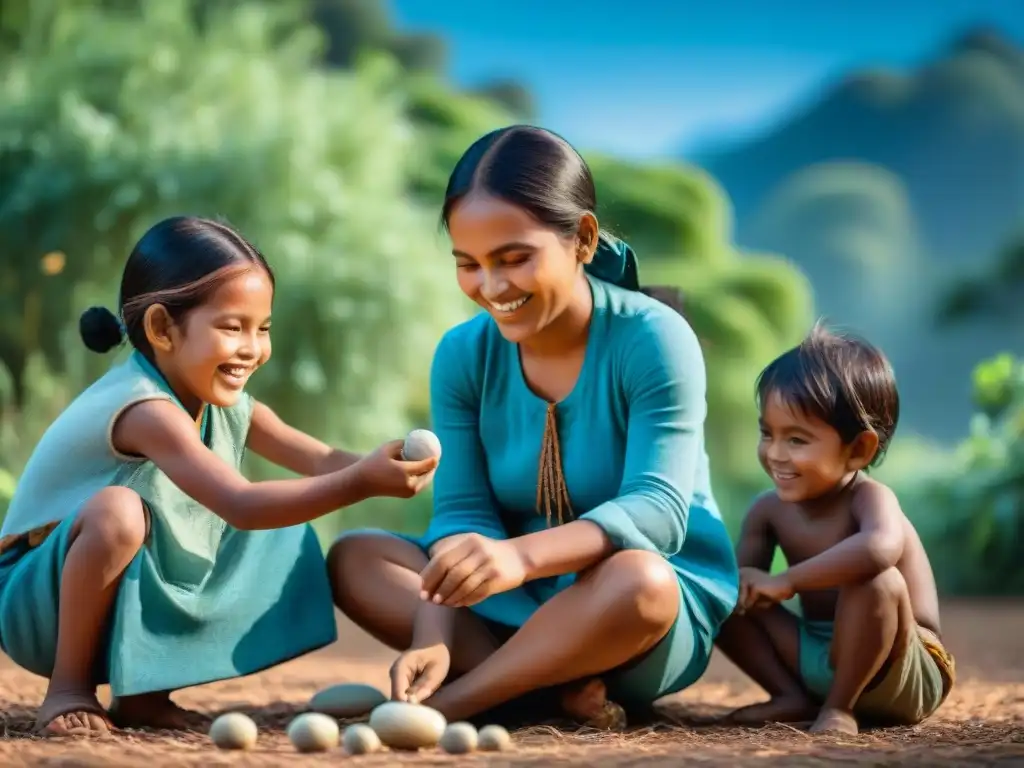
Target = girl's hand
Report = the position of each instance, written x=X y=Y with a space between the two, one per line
x=472 y=570
x=419 y=672
x=384 y=473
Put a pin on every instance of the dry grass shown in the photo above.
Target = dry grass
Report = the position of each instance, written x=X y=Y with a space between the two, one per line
x=982 y=723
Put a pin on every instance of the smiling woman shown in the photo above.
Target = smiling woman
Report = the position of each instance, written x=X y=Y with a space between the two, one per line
x=575 y=541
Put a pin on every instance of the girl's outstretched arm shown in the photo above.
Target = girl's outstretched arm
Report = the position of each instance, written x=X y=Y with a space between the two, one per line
x=166 y=435
x=292 y=448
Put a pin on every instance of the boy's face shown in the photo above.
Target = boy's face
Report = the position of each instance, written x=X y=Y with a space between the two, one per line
x=804 y=456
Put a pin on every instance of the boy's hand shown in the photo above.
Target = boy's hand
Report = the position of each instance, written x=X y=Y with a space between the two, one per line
x=759 y=590
x=419 y=672
x=386 y=474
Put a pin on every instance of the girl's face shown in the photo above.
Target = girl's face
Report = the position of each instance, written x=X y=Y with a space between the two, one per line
x=210 y=356
x=523 y=273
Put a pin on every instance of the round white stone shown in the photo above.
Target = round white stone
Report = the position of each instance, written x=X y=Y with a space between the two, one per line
x=402 y=725
x=421 y=444
x=313 y=732
x=234 y=730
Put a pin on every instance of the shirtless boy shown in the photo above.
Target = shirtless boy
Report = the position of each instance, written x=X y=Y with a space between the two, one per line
x=867 y=646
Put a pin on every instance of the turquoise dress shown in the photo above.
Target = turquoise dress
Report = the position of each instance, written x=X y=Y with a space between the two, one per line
x=632 y=444
x=201 y=601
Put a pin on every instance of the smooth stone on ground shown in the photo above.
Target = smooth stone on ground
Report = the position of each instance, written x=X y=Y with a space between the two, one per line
x=313 y=732
x=234 y=730
x=360 y=739
x=402 y=725
x=347 y=700
x=421 y=444
x=459 y=738
x=493 y=738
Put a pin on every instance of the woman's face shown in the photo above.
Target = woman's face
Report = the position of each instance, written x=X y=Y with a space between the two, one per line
x=523 y=273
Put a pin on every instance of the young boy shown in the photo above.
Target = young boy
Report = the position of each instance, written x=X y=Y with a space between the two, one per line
x=868 y=643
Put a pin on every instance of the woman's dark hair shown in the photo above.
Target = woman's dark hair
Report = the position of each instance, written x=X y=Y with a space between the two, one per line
x=842 y=380
x=539 y=171
x=178 y=263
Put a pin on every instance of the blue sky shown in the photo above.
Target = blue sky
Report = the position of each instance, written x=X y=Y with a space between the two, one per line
x=668 y=75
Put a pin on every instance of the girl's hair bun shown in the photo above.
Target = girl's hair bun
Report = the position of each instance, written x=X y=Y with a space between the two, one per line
x=101 y=329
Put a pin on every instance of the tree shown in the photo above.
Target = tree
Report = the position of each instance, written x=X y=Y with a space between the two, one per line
x=114 y=117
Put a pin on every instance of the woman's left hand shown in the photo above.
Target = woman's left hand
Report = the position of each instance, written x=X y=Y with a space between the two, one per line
x=471 y=570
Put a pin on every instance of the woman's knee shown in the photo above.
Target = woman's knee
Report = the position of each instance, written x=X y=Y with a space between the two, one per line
x=117 y=518
x=355 y=551
x=642 y=587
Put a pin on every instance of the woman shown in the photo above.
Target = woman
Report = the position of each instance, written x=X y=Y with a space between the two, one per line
x=574 y=533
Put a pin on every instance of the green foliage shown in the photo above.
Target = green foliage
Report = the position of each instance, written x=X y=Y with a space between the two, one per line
x=113 y=119
x=973 y=518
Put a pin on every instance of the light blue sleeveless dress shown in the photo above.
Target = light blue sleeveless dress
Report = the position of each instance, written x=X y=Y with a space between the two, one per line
x=201 y=601
x=631 y=435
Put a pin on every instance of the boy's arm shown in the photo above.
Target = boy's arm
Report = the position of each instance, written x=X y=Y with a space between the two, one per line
x=756 y=547
x=291 y=448
x=876 y=547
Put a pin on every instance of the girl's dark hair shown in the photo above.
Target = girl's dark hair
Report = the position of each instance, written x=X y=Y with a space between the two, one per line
x=539 y=171
x=178 y=264
x=842 y=380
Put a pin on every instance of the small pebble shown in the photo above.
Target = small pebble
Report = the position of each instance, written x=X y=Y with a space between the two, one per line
x=347 y=700
x=234 y=730
x=360 y=739
x=401 y=725
x=459 y=738
x=493 y=738
x=421 y=444
x=313 y=732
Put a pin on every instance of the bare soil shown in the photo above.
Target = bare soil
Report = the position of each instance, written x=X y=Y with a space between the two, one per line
x=981 y=724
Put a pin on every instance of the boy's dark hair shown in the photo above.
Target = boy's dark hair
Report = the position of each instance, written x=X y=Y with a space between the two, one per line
x=841 y=379
x=179 y=262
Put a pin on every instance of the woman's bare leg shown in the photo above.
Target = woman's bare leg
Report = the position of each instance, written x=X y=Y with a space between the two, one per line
x=376 y=582
x=107 y=533
x=615 y=612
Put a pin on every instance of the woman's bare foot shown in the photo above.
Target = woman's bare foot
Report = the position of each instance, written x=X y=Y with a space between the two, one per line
x=587 y=703
x=835 y=720
x=154 y=710
x=780 y=709
x=72 y=713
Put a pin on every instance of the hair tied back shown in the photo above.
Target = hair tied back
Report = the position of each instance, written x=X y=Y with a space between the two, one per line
x=101 y=329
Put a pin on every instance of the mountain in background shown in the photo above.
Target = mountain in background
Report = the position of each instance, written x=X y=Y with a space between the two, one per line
x=885 y=189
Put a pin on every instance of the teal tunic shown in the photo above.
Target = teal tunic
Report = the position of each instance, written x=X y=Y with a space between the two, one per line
x=632 y=444
x=201 y=601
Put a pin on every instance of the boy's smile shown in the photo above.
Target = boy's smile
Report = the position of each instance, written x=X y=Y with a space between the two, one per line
x=804 y=456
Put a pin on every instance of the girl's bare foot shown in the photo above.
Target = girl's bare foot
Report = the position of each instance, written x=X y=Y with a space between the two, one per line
x=587 y=703
x=835 y=720
x=72 y=713
x=780 y=709
x=154 y=710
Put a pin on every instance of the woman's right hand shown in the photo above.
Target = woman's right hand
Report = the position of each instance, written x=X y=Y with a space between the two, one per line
x=384 y=473
x=419 y=672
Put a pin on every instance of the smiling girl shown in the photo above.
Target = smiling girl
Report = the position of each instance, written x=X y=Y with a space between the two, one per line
x=134 y=552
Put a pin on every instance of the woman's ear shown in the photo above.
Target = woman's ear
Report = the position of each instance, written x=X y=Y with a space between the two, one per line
x=157 y=323
x=587 y=238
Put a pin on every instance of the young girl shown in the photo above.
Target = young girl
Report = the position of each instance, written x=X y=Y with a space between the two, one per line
x=134 y=552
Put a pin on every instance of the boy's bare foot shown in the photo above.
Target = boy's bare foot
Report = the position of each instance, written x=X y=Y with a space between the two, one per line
x=835 y=720
x=154 y=710
x=72 y=713
x=587 y=703
x=780 y=709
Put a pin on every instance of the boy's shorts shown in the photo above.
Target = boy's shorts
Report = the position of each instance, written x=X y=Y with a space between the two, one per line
x=914 y=686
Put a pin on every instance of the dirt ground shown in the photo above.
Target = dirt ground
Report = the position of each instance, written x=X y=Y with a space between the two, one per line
x=981 y=724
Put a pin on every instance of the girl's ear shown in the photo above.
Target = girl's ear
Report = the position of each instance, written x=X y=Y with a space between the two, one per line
x=862 y=451
x=587 y=238
x=157 y=323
